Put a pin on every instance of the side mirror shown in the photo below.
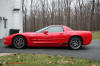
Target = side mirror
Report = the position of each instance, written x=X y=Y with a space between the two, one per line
x=45 y=32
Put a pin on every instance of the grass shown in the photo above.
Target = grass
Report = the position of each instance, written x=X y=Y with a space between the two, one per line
x=44 y=60
x=96 y=35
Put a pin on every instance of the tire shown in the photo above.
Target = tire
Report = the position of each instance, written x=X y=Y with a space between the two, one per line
x=19 y=42
x=75 y=43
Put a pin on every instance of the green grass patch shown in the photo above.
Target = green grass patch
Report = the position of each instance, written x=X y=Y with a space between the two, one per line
x=44 y=60
x=96 y=35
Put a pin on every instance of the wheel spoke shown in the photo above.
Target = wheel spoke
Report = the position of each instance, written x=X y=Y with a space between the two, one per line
x=19 y=42
x=75 y=43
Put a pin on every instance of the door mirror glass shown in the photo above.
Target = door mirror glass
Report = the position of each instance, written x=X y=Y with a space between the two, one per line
x=45 y=32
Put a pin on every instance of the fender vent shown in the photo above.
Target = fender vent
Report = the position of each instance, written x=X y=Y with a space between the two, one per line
x=64 y=44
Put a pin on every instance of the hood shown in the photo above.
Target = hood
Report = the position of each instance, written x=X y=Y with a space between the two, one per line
x=28 y=33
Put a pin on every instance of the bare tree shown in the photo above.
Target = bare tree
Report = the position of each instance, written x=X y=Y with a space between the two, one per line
x=83 y=15
x=92 y=15
x=24 y=11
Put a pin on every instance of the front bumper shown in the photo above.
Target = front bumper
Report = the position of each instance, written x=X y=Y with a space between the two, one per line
x=7 y=41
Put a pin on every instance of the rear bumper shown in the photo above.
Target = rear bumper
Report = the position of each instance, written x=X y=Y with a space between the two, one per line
x=87 y=42
x=87 y=39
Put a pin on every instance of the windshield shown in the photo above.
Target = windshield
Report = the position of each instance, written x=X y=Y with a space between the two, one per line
x=42 y=30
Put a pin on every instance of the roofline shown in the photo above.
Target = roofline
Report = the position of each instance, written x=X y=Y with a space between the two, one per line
x=57 y=25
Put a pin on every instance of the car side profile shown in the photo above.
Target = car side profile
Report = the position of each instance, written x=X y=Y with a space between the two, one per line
x=51 y=36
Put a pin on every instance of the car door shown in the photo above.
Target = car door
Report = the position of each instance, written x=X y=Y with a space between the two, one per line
x=38 y=39
x=55 y=36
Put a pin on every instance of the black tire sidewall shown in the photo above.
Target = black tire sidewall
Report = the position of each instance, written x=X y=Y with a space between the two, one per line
x=25 y=42
x=72 y=39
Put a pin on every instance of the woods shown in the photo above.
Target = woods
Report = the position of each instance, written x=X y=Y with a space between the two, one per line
x=77 y=14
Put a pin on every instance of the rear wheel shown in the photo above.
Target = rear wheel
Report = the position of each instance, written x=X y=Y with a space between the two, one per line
x=19 y=42
x=75 y=43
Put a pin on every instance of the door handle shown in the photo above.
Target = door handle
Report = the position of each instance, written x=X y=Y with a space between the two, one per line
x=61 y=33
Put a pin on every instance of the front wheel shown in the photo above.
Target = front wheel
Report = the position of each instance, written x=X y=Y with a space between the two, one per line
x=75 y=43
x=19 y=42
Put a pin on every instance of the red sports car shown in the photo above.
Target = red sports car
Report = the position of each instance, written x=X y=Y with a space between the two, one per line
x=51 y=36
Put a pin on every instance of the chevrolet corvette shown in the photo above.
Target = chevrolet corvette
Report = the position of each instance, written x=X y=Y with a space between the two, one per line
x=51 y=36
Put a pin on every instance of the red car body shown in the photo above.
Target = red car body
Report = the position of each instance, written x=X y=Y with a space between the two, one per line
x=55 y=39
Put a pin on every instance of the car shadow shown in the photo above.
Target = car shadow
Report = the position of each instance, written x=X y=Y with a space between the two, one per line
x=50 y=48
x=11 y=47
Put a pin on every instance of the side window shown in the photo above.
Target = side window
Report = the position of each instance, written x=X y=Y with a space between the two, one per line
x=55 y=29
